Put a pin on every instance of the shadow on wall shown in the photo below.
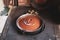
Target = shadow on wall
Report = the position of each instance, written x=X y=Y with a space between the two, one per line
x=53 y=12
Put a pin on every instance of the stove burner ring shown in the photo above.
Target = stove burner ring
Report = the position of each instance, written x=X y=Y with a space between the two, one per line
x=40 y=29
x=28 y=21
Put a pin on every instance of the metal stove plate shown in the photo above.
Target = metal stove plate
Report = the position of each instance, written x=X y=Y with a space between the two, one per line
x=10 y=32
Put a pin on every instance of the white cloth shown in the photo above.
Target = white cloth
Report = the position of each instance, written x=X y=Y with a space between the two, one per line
x=2 y=22
x=1 y=5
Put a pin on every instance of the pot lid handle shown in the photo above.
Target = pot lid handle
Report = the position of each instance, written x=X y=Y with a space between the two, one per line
x=33 y=12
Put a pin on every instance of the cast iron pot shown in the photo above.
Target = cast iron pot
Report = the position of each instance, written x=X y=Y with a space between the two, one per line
x=30 y=24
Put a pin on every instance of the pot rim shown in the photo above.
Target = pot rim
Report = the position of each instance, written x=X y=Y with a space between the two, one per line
x=27 y=30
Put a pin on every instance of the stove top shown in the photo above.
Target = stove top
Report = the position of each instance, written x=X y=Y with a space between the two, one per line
x=10 y=32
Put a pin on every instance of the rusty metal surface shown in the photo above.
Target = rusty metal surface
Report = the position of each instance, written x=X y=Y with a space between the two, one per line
x=10 y=32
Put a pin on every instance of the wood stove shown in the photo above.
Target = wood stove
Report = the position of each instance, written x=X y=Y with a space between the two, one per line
x=11 y=32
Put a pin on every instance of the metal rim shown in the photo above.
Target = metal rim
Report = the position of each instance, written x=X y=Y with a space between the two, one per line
x=35 y=32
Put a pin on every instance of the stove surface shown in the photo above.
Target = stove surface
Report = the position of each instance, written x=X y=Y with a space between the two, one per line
x=10 y=32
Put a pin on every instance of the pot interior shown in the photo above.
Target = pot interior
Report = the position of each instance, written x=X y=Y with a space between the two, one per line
x=29 y=22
